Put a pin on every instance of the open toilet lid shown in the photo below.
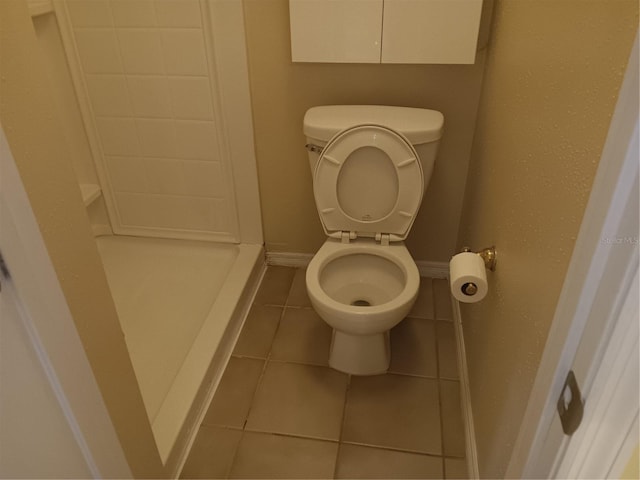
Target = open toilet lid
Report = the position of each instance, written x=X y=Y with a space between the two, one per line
x=368 y=180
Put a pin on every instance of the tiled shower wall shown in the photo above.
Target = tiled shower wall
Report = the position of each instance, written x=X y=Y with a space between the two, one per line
x=145 y=66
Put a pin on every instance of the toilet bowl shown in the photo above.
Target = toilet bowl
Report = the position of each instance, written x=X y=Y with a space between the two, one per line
x=362 y=291
x=370 y=166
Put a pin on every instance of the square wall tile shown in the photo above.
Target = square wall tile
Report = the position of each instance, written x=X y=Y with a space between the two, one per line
x=89 y=14
x=232 y=400
x=262 y=455
x=212 y=453
x=150 y=96
x=178 y=13
x=137 y=210
x=275 y=286
x=191 y=98
x=165 y=176
x=157 y=137
x=442 y=299
x=302 y=337
x=197 y=140
x=423 y=308
x=258 y=331
x=413 y=348
x=109 y=95
x=356 y=461
x=447 y=352
x=299 y=400
x=394 y=411
x=98 y=50
x=141 y=50
x=190 y=213
x=127 y=174
x=118 y=136
x=452 y=423
x=133 y=13
x=205 y=178
x=184 y=52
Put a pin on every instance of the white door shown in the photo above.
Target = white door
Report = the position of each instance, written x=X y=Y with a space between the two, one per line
x=595 y=329
x=53 y=421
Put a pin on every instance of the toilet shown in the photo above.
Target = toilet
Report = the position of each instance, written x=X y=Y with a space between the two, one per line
x=370 y=166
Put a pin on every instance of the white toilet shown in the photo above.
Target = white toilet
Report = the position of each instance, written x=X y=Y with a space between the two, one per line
x=370 y=166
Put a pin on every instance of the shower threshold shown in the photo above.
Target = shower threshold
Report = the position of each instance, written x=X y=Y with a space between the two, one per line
x=175 y=300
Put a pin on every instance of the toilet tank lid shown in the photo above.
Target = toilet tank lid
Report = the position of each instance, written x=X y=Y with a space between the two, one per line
x=418 y=125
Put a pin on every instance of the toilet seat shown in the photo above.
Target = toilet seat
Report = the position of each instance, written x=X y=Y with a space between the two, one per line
x=368 y=182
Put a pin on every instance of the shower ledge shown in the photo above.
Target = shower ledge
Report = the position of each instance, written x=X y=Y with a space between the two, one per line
x=90 y=193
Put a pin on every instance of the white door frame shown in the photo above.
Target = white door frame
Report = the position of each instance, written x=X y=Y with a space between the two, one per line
x=48 y=324
x=598 y=277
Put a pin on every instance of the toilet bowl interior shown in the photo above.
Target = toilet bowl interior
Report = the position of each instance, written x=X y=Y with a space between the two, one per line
x=362 y=280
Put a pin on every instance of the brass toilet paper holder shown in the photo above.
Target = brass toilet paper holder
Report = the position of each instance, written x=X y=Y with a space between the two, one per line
x=488 y=255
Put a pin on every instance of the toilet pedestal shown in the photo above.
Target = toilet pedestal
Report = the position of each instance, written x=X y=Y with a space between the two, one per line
x=360 y=354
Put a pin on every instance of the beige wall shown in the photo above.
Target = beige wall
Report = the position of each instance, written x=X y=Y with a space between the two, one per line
x=36 y=139
x=552 y=75
x=282 y=92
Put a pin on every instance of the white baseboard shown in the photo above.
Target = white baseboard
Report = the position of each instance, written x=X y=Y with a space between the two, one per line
x=465 y=395
x=301 y=260
x=287 y=259
x=433 y=269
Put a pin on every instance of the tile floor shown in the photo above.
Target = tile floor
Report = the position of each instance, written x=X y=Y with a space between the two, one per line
x=281 y=412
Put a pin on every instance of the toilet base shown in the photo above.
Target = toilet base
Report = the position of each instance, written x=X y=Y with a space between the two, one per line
x=360 y=354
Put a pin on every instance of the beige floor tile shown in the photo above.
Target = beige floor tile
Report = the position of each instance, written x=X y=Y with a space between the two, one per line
x=356 y=461
x=298 y=296
x=442 y=299
x=302 y=337
x=258 y=331
x=275 y=286
x=394 y=411
x=413 y=348
x=232 y=400
x=263 y=455
x=452 y=425
x=455 y=468
x=447 y=354
x=423 y=308
x=212 y=453
x=300 y=400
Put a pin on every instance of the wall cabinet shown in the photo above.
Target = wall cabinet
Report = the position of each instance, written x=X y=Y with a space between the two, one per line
x=384 y=31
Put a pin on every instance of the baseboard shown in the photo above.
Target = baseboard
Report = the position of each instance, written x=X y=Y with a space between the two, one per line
x=433 y=269
x=288 y=259
x=465 y=395
x=301 y=260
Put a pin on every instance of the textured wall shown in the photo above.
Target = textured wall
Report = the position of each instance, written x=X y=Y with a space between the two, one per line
x=552 y=75
x=37 y=142
x=282 y=92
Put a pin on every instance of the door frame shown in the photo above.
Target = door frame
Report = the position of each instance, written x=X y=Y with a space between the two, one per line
x=598 y=269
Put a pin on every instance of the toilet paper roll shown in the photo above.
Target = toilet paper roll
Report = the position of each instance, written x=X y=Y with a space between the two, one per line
x=468 y=277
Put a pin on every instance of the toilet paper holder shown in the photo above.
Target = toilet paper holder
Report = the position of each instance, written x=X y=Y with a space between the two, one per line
x=487 y=254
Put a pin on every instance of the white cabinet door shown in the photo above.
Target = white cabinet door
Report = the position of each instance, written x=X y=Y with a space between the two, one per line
x=430 y=31
x=340 y=31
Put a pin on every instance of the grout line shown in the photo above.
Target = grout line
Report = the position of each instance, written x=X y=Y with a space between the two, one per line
x=342 y=423
x=292 y=435
x=439 y=392
x=394 y=449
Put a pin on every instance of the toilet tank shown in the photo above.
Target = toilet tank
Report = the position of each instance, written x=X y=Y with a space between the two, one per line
x=421 y=127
